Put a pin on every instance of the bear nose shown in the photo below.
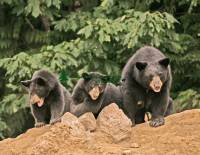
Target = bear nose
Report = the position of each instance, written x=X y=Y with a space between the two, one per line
x=157 y=87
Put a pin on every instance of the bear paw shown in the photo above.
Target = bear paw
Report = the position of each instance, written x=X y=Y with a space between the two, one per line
x=39 y=124
x=53 y=121
x=157 y=122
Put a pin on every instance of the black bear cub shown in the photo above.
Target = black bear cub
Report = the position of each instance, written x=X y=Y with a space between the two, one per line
x=92 y=93
x=146 y=83
x=48 y=98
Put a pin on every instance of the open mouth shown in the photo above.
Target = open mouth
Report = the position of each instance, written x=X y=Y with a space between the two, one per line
x=156 y=89
x=94 y=93
x=35 y=99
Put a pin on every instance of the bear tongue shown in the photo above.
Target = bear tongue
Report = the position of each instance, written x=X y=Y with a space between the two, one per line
x=94 y=97
x=157 y=89
x=40 y=102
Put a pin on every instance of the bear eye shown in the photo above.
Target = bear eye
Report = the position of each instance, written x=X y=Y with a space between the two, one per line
x=93 y=85
x=141 y=65
x=101 y=89
x=151 y=76
x=160 y=73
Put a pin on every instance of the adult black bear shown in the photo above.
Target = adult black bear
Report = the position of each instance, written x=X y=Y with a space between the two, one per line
x=48 y=98
x=92 y=93
x=146 y=82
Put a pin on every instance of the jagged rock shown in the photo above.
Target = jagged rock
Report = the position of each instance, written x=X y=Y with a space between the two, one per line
x=114 y=122
x=88 y=121
x=76 y=128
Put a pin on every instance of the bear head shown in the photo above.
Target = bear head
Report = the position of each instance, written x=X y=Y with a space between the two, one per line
x=152 y=75
x=94 y=84
x=40 y=86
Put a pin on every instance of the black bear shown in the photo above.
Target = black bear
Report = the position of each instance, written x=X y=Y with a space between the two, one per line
x=146 y=82
x=49 y=100
x=92 y=93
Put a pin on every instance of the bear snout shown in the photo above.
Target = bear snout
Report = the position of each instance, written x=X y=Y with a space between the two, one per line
x=156 y=84
x=35 y=99
x=94 y=93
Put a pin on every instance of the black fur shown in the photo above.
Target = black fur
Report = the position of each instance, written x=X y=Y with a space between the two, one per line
x=82 y=102
x=138 y=98
x=170 y=108
x=56 y=98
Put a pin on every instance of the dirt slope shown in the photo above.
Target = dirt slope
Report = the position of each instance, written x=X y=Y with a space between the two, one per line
x=180 y=135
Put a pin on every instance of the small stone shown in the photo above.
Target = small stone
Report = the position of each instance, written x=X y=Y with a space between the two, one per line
x=114 y=122
x=135 y=145
x=88 y=121
x=147 y=116
x=127 y=152
x=76 y=128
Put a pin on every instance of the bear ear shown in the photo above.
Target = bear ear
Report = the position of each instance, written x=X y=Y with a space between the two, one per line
x=106 y=78
x=141 y=65
x=26 y=83
x=164 y=62
x=41 y=81
x=86 y=76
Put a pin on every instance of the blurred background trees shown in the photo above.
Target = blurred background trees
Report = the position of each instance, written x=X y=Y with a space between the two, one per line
x=70 y=37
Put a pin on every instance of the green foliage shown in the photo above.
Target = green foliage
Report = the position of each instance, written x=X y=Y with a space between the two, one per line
x=189 y=99
x=70 y=37
x=10 y=106
x=3 y=127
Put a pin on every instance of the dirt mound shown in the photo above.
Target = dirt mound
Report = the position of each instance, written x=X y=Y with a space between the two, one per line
x=180 y=135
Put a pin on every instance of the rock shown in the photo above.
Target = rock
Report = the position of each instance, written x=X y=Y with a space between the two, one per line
x=76 y=128
x=135 y=145
x=127 y=152
x=147 y=116
x=88 y=121
x=114 y=122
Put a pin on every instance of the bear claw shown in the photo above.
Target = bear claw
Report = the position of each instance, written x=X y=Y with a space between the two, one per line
x=157 y=122
x=39 y=124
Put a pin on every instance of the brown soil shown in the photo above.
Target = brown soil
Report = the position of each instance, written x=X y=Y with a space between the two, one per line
x=179 y=136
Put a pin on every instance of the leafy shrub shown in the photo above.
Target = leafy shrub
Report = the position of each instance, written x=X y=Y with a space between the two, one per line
x=188 y=99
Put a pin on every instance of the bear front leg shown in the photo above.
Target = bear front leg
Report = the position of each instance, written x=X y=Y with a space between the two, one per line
x=56 y=110
x=140 y=115
x=79 y=109
x=130 y=107
x=158 y=108
x=84 y=107
x=39 y=114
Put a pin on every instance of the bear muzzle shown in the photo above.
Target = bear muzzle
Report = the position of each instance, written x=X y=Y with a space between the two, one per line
x=94 y=93
x=156 y=84
x=35 y=99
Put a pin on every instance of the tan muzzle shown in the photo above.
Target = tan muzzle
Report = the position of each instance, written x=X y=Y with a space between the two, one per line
x=36 y=99
x=94 y=93
x=156 y=84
